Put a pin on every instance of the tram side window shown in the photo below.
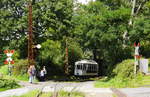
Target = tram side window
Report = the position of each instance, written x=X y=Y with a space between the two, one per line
x=91 y=68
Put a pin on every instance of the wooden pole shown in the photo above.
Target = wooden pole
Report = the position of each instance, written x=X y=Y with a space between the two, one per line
x=66 y=59
x=30 y=36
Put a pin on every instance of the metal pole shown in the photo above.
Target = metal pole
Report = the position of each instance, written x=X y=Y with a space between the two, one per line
x=135 y=64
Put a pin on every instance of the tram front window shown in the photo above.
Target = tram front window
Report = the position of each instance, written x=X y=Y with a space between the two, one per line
x=79 y=66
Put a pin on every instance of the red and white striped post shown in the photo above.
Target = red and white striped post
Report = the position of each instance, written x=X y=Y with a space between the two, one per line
x=9 y=60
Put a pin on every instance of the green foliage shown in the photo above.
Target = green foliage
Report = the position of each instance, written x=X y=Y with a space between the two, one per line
x=123 y=76
x=75 y=53
x=124 y=70
x=100 y=30
x=117 y=82
x=8 y=84
x=20 y=67
x=51 y=20
x=98 y=27
x=51 y=51
x=19 y=72
x=2 y=58
x=141 y=29
x=4 y=70
x=51 y=55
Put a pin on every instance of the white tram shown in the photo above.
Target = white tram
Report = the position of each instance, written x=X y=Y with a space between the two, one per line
x=86 y=68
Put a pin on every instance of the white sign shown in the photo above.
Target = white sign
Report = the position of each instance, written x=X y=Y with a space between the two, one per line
x=144 y=65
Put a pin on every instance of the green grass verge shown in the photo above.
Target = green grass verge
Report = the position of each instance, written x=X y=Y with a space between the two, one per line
x=49 y=94
x=114 y=95
x=6 y=84
x=120 y=83
x=4 y=75
x=3 y=89
x=123 y=76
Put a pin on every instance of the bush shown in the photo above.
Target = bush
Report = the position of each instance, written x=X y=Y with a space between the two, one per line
x=122 y=76
x=8 y=84
x=20 y=67
x=4 y=70
x=124 y=69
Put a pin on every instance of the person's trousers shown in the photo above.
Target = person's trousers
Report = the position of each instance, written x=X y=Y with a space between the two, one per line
x=31 y=79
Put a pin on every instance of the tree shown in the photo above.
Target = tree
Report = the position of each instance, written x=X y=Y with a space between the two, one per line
x=100 y=30
x=51 y=19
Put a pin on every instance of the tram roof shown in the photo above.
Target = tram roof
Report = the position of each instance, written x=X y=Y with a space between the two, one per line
x=86 y=61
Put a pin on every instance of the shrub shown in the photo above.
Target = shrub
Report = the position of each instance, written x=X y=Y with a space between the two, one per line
x=123 y=76
x=8 y=84
x=20 y=67
x=4 y=70
x=124 y=69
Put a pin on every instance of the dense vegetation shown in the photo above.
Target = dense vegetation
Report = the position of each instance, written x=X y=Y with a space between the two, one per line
x=7 y=84
x=104 y=30
x=123 y=76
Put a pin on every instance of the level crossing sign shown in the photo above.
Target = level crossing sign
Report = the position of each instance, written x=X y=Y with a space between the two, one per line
x=9 y=60
x=9 y=54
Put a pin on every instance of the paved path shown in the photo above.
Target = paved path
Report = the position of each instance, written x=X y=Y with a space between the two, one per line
x=136 y=92
x=85 y=87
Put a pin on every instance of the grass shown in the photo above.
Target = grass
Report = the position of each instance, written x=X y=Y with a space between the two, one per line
x=4 y=75
x=119 y=83
x=4 y=72
x=114 y=95
x=122 y=78
x=6 y=84
x=4 y=69
x=146 y=80
x=17 y=78
x=49 y=94
x=3 y=89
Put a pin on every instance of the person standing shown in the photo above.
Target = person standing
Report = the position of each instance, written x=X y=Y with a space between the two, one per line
x=42 y=75
x=30 y=74
x=33 y=72
x=45 y=72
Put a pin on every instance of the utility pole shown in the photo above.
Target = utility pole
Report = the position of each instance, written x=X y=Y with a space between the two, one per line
x=30 y=36
x=66 y=59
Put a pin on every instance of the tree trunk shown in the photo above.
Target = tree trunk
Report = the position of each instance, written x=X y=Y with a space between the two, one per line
x=130 y=22
x=132 y=12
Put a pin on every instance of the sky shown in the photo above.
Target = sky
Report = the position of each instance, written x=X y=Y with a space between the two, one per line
x=84 y=1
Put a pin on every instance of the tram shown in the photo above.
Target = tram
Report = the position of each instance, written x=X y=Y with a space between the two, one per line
x=86 y=68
